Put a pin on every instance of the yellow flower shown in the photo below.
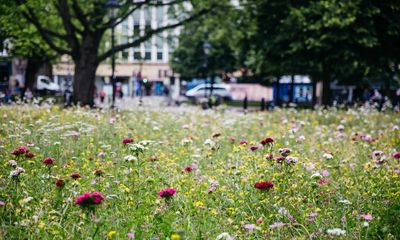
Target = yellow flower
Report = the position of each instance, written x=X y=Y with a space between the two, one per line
x=111 y=234
x=175 y=237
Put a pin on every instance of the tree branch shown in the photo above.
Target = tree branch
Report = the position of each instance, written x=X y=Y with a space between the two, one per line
x=65 y=15
x=45 y=33
x=149 y=34
x=80 y=14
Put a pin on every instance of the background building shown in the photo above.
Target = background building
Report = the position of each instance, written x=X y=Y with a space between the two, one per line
x=139 y=70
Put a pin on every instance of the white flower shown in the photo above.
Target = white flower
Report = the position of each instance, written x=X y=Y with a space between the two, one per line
x=327 y=156
x=209 y=142
x=130 y=158
x=283 y=211
x=336 y=232
x=346 y=202
x=224 y=235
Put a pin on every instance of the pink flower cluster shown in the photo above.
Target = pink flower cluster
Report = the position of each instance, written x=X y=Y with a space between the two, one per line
x=167 y=192
x=89 y=199
x=20 y=150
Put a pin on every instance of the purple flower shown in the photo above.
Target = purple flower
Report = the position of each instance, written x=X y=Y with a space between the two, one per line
x=276 y=225
x=366 y=216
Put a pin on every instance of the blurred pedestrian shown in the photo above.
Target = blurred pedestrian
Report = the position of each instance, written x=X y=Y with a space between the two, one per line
x=102 y=95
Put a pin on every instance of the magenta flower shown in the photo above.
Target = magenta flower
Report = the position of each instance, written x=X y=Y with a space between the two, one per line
x=253 y=148
x=188 y=169
x=167 y=192
x=396 y=155
x=266 y=141
x=127 y=140
x=264 y=185
x=89 y=199
x=48 y=161
x=75 y=176
x=367 y=217
x=244 y=142
x=20 y=150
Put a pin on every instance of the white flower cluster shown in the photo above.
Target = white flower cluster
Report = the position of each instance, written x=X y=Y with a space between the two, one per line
x=336 y=232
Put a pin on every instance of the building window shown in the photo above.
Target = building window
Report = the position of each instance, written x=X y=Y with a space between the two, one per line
x=125 y=54
x=147 y=56
x=159 y=56
x=137 y=55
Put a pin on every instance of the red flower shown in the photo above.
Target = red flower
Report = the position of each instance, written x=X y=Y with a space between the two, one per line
x=266 y=141
x=89 y=199
x=253 y=148
x=188 y=169
x=48 y=161
x=127 y=140
x=264 y=185
x=75 y=175
x=323 y=181
x=167 y=193
x=279 y=159
x=60 y=183
x=20 y=150
x=244 y=142
x=29 y=155
x=396 y=155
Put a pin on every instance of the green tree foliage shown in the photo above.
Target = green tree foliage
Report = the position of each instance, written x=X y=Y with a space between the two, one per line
x=190 y=60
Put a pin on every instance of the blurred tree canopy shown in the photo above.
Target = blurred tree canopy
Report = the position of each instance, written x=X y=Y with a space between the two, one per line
x=326 y=39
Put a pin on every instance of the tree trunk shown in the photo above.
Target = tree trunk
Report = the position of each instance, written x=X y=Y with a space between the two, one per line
x=32 y=69
x=84 y=79
x=326 y=91
x=85 y=71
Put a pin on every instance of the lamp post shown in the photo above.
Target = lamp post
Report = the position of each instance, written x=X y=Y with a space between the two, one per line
x=206 y=49
x=113 y=5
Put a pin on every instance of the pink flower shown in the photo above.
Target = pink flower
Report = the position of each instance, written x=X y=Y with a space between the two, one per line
x=325 y=173
x=367 y=217
x=48 y=161
x=264 y=185
x=75 y=175
x=284 y=151
x=127 y=140
x=167 y=192
x=322 y=181
x=244 y=142
x=396 y=155
x=131 y=235
x=89 y=199
x=20 y=150
x=266 y=141
x=276 y=225
x=188 y=169
x=253 y=148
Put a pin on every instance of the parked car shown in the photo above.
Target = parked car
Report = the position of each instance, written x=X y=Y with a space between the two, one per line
x=221 y=91
x=47 y=85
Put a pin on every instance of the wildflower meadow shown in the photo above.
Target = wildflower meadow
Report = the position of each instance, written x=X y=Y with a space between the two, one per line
x=187 y=174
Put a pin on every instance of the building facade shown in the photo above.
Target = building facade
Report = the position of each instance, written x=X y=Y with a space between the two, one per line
x=148 y=62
